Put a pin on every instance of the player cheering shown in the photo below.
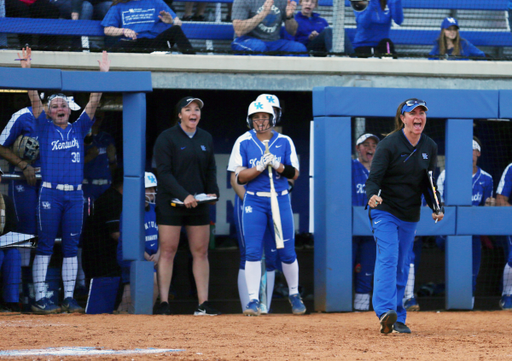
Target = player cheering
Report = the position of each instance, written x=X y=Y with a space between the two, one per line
x=61 y=197
x=398 y=177
x=249 y=160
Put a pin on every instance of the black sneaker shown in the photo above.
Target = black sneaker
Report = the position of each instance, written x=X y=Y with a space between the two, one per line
x=400 y=327
x=205 y=309
x=162 y=309
x=387 y=320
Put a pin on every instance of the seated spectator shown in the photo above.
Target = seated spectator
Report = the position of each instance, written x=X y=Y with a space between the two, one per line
x=3 y=37
x=33 y=9
x=373 y=25
x=314 y=31
x=145 y=25
x=89 y=9
x=258 y=24
x=10 y=259
x=449 y=44
x=198 y=16
x=151 y=252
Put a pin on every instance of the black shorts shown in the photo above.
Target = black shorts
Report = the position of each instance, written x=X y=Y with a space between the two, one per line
x=181 y=216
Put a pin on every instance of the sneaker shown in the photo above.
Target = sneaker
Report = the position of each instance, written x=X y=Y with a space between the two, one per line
x=506 y=302
x=205 y=309
x=10 y=307
x=71 y=306
x=400 y=327
x=386 y=321
x=253 y=308
x=298 y=307
x=411 y=305
x=45 y=306
x=162 y=309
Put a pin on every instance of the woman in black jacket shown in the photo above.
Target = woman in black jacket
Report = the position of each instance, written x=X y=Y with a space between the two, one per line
x=398 y=177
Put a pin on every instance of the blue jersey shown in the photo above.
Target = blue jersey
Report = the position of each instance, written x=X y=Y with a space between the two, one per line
x=307 y=25
x=21 y=123
x=248 y=150
x=62 y=150
x=373 y=23
x=505 y=184
x=483 y=186
x=99 y=167
x=359 y=177
x=151 y=229
x=467 y=49
x=140 y=16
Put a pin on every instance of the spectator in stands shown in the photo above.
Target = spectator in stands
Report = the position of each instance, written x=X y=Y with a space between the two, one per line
x=363 y=247
x=198 y=16
x=510 y=14
x=101 y=232
x=145 y=25
x=10 y=259
x=33 y=9
x=373 y=25
x=89 y=9
x=449 y=44
x=257 y=25
x=151 y=251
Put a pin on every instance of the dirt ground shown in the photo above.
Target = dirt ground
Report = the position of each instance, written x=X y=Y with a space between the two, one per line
x=477 y=335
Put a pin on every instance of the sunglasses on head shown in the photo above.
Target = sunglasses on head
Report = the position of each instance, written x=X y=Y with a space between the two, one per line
x=412 y=102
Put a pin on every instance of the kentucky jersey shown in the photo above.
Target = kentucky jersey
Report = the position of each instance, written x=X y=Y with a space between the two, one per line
x=359 y=177
x=248 y=150
x=151 y=229
x=505 y=185
x=62 y=150
x=483 y=186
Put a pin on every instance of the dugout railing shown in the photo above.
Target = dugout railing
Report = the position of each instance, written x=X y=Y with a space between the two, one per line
x=336 y=221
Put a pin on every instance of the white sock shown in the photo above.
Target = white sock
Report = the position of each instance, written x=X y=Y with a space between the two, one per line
x=69 y=272
x=253 y=279
x=409 y=288
x=507 y=280
x=291 y=273
x=80 y=279
x=242 y=289
x=25 y=256
x=271 y=280
x=39 y=269
x=362 y=302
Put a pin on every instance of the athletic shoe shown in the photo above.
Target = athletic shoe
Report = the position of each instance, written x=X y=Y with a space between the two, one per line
x=387 y=320
x=45 y=306
x=411 y=305
x=10 y=307
x=506 y=302
x=400 y=327
x=205 y=309
x=253 y=308
x=298 y=307
x=162 y=309
x=71 y=306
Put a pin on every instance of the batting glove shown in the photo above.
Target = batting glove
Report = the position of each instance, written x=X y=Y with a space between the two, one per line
x=272 y=161
x=261 y=164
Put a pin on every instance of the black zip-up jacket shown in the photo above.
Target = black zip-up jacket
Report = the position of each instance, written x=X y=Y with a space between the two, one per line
x=399 y=170
x=185 y=165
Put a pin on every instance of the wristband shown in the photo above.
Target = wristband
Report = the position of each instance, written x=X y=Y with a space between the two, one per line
x=26 y=165
x=288 y=172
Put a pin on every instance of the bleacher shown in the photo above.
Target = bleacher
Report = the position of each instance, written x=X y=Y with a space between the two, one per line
x=483 y=23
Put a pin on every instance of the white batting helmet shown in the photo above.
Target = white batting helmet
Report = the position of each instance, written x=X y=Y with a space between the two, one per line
x=260 y=107
x=26 y=148
x=274 y=101
x=150 y=181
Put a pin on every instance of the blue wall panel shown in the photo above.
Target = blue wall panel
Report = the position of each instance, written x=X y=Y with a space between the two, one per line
x=488 y=221
x=382 y=102
x=458 y=273
x=41 y=79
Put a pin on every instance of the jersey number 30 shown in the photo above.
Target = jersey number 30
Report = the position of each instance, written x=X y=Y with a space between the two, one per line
x=75 y=157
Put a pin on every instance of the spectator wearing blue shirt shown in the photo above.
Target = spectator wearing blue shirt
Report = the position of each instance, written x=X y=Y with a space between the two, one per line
x=449 y=44
x=373 y=25
x=482 y=196
x=145 y=25
x=363 y=247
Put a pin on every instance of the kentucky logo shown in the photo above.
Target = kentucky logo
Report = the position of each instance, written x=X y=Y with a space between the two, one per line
x=248 y=209
x=424 y=155
x=203 y=148
x=58 y=145
x=46 y=205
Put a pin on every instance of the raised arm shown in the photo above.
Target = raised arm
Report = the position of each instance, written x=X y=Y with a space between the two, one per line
x=26 y=63
x=94 y=99
x=243 y=27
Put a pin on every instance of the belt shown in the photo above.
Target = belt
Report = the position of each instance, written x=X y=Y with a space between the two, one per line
x=97 y=182
x=267 y=194
x=62 y=187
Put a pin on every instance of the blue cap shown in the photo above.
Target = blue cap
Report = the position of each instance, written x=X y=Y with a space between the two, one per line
x=447 y=22
x=412 y=104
